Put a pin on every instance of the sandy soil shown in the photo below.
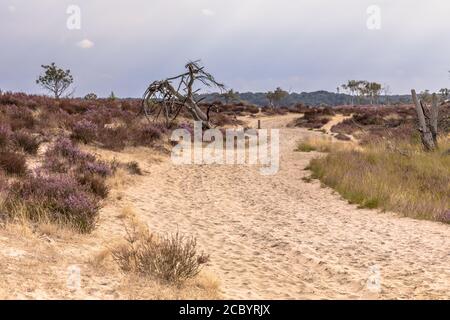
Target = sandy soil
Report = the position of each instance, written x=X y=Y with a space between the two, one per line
x=269 y=237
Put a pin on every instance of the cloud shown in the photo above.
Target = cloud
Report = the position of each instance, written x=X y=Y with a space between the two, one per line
x=208 y=12
x=85 y=44
x=12 y=8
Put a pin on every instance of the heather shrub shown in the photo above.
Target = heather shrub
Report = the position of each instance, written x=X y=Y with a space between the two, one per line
x=20 y=118
x=57 y=198
x=64 y=156
x=26 y=141
x=113 y=138
x=5 y=135
x=65 y=148
x=172 y=258
x=95 y=167
x=84 y=131
x=13 y=163
x=147 y=134
x=3 y=182
x=94 y=184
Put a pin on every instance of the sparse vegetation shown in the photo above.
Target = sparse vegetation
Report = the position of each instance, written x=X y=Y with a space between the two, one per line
x=171 y=258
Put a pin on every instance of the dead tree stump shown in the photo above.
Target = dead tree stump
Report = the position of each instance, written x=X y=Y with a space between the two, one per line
x=427 y=121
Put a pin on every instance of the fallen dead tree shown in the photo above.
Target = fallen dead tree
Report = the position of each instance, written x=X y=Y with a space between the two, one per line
x=168 y=97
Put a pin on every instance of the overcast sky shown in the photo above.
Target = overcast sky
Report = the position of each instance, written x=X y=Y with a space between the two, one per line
x=250 y=45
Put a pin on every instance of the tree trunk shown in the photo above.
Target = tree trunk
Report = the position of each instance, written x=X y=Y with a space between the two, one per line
x=428 y=138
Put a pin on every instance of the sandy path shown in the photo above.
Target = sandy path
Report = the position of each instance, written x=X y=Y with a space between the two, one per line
x=277 y=237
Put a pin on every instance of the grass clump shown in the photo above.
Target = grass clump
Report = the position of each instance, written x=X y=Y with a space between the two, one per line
x=403 y=179
x=172 y=258
x=26 y=142
x=319 y=145
x=305 y=147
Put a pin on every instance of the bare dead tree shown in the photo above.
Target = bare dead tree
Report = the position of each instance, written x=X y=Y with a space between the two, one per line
x=428 y=121
x=168 y=97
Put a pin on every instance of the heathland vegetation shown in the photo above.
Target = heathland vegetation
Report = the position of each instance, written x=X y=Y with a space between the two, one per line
x=386 y=164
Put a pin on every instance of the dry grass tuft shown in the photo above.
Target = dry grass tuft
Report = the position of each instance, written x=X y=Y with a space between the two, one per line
x=322 y=144
x=172 y=258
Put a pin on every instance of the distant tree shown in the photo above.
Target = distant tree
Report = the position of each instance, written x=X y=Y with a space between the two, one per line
x=276 y=96
x=112 y=96
x=444 y=92
x=55 y=80
x=352 y=87
x=373 y=90
x=425 y=96
x=229 y=96
x=387 y=91
x=362 y=87
x=90 y=96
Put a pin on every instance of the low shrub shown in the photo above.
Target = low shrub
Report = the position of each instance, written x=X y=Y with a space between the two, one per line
x=146 y=135
x=5 y=135
x=57 y=198
x=94 y=184
x=13 y=163
x=26 y=141
x=113 y=138
x=84 y=131
x=65 y=148
x=134 y=168
x=171 y=258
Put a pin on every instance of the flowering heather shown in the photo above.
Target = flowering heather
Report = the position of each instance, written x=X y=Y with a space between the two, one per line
x=147 y=134
x=13 y=163
x=5 y=134
x=85 y=131
x=97 y=167
x=19 y=118
x=60 y=196
x=114 y=138
x=65 y=148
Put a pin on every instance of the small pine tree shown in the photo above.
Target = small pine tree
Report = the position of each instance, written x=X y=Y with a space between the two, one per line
x=55 y=80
